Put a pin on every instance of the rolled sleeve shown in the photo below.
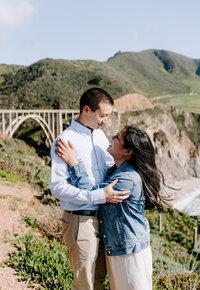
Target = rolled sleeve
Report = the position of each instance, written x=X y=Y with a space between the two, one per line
x=98 y=195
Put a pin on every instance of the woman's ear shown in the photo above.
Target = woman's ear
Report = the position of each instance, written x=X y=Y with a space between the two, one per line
x=129 y=152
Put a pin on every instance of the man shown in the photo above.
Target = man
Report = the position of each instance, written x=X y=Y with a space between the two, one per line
x=80 y=224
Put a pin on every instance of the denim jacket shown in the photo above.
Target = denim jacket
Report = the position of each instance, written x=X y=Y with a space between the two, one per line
x=123 y=226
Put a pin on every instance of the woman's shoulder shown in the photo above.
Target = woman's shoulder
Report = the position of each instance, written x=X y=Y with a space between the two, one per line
x=131 y=172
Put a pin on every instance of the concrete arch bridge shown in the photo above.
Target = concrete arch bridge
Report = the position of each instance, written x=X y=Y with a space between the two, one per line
x=52 y=122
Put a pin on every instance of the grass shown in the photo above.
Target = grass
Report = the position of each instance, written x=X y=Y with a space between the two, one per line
x=29 y=220
x=194 y=84
x=4 y=196
x=10 y=176
x=186 y=102
x=190 y=103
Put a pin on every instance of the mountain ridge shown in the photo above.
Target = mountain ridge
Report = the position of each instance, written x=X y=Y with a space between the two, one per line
x=50 y=83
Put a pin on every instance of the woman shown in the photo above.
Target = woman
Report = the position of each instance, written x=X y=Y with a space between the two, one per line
x=123 y=226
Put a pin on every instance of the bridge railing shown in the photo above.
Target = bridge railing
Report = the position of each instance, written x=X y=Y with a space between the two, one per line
x=53 y=122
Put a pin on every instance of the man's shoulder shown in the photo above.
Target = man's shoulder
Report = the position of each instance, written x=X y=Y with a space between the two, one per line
x=68 y=133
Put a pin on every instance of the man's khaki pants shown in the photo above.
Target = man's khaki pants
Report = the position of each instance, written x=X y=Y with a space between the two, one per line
x=81 y=236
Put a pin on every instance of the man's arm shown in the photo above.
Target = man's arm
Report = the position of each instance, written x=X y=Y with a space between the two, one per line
x=81 y=180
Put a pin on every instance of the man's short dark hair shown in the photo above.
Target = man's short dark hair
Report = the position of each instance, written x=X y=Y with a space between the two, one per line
x=93 y=97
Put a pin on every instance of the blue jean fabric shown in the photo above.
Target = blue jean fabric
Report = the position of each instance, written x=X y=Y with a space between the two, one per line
x=123 y=226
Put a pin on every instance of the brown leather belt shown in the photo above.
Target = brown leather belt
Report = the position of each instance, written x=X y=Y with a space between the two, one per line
x=83 y=212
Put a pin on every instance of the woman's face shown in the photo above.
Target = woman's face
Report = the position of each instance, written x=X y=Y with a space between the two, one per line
x=116 y=148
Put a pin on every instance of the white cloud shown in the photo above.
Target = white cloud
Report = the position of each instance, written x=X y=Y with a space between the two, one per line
x=14 y=13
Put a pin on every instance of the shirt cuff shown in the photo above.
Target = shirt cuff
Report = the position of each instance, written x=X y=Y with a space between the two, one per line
x=77 y=169
x=98 y=196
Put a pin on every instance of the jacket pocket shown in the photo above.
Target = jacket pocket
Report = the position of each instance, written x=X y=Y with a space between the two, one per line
x=115 y=230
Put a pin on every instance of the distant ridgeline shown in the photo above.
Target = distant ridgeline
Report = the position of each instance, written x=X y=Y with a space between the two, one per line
x=58 y=84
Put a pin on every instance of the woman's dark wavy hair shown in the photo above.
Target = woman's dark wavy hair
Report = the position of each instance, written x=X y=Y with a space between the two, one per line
x=143 y=159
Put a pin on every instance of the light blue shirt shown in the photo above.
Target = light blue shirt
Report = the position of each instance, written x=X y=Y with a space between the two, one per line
x=91 y=150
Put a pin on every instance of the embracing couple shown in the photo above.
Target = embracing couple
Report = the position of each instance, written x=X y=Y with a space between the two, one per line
x=103 y=190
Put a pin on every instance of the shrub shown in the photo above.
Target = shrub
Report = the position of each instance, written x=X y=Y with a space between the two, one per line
x=44 y=262
x=177 y=281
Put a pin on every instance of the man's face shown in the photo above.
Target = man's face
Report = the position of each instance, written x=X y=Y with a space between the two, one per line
x=97 y=119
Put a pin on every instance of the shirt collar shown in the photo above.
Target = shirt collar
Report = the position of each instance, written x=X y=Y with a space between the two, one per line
x=80 y=128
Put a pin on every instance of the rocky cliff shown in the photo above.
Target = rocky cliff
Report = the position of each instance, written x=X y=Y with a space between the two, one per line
x=175 y=135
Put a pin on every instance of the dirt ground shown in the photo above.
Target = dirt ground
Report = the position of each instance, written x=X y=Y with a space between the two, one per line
x=131 y=102
x=14 y=200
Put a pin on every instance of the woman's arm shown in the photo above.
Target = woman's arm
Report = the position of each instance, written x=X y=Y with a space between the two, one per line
x=80 y=177
x=77 y=169
x=114 y=188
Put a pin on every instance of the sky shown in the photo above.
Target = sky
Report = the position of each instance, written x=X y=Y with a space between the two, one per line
x=31 y=30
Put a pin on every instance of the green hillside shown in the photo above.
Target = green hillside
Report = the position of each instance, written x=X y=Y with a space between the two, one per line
x=175 y=262
x=156 y=72
x=57 y=84
x=5 y=69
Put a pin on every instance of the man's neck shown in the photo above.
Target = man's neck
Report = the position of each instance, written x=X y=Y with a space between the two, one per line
x=81 y=121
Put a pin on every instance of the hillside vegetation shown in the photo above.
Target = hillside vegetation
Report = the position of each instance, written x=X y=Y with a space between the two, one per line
x=174 y=259
x=57 y=84
x=20 y=163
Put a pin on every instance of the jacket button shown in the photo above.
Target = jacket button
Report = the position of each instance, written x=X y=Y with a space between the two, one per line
x=104 y=236
x=109 y=252
x=100 y=222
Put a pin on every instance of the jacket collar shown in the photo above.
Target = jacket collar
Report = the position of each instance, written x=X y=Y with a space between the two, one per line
x=120 y=168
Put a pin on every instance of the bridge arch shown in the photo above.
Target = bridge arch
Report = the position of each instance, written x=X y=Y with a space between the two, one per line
x=21 y=119
x=51 y=121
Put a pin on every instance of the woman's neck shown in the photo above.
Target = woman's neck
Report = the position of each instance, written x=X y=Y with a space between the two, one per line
x=120 y=161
